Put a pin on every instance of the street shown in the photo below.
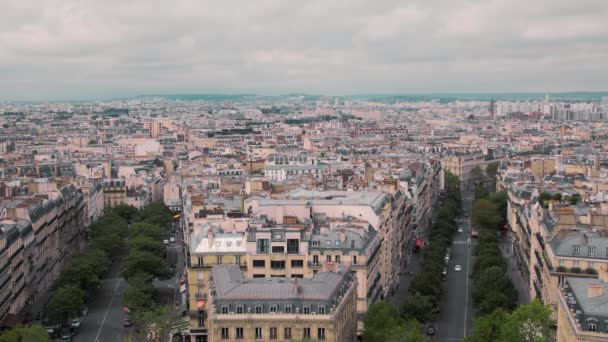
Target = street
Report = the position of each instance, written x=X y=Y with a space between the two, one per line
x=456 y=316
x=103 y=322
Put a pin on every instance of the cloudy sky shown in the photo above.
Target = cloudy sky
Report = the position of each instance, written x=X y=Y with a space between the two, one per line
x=73 y=49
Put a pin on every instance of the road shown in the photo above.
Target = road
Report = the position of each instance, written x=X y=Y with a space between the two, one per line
x=456 y=317
x=175 y=258
x=103 y=322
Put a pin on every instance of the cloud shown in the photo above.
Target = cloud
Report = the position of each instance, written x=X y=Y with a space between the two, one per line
x=93 y=48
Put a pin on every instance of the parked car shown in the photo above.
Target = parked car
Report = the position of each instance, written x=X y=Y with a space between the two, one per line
x=430 y=330
x=165 y=241
x=172 y=239
x=84 y=311
x=127 y=323
x=76 y=323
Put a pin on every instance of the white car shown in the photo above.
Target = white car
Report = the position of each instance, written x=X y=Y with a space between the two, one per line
x=460 y=229
x=165 y=242
x=457 y=268
x=171 y=239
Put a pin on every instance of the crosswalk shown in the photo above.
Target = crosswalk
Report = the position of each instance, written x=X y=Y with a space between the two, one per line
x=463 y=242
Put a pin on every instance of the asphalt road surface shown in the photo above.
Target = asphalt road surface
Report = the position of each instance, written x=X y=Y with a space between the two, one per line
x=103 y=322
x=456 y=316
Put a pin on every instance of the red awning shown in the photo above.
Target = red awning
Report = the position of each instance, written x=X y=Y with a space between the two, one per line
x=418 y=243
x=200 y=304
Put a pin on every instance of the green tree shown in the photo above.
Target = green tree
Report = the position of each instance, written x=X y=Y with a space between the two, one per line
x=138 y=297
x=529 y=323
x=157 y=213
x=151 y=231
x=66 y=302
x=492 y=170
x=476 y=173
x=485 y=214
x=21 y=333
x=145 y=243
x=418 y=307
x=487 y=328
x=146 y=262
x=84 y=270
x=381 y=320
x=127 y=212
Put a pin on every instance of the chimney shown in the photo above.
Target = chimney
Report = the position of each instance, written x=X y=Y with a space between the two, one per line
x=296 y=287
x=595 y=289
x=210 y=236
x=342 y=235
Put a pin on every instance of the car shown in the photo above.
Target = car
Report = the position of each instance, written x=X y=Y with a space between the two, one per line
x=165 y=242
x=460 y=229
x=457 y=268
x=127 y=323
x=76 y=323
x=171 y=239
x=84 y=311
x=430 y=330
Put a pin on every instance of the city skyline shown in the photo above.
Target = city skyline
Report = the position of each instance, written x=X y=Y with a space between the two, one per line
x=65 y=50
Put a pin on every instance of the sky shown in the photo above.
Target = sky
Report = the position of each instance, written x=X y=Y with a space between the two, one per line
x=89 y=49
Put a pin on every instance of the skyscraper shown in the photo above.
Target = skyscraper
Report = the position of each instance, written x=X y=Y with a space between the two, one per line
x=492 y=110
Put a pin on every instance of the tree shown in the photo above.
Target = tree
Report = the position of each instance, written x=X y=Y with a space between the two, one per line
x=20 y=333
x=157 y=213
x=487 y=328
x=66 y=301
x=492 y=170
x=381 y=320
x=146 y=262
x=138 y=297
x=418 y=307
x=127 y=212
x=84 y=270
x=529 y=323
x=485 y=214
x=145 y=243
x=151 y=231
x=476 y=173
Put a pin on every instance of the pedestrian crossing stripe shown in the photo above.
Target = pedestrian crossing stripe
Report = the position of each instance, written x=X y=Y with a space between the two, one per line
x=462 y=242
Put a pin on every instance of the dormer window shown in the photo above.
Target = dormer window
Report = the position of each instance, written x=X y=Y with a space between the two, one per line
x=591 y=251
x=576 y=250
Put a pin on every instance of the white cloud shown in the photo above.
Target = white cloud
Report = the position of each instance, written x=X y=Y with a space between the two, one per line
x=95 y=48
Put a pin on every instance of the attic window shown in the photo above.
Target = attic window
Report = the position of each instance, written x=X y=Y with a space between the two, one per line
x=228 y=244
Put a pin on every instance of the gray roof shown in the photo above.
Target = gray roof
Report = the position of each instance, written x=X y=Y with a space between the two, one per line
x=590 y=306
x=231 y=285
x=563 y=246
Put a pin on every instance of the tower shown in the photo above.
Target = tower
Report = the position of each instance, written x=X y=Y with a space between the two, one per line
x=492 y=117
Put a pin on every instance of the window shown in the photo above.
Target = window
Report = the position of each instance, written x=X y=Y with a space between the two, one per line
x=321 y=310
x=278 y=249
x=287 y=334
x=200 y=292
x=219 y=259
x=328 y=258
x=287 y=309
x=273 y=333
x=338 y=259
x=239 y=334
x=328 y=242
x=259 y=263
x=237 y=259
x=258 y=309
x=575 y=263
x=576 y=250
x=354 y=259
x=259 y=276
x=352 y=243
x=297 y=276
x=200 y=276
x=591 y=251
x=224 y=310
x=315 y=259
x=263 y=245
x=277 y=265
x=562 y=262
x=201 y=321
x=200 y=260
x=225 y=334
x=297 y=263
x=592 y=327
x=273 y=309
x=293 y=246
x=258 y=333
x=306 y=332
x=321 y=333
x=307 y=310
x=240 y=309
x=591 y=264
x=337 y=242
x=316 y=243
x=278 y=236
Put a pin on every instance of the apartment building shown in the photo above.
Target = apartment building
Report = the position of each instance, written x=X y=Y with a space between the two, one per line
x=250 y=309
x=57 y=221
x=461 y=165
x=114 y=192
x=582 y=314
x=208 y=247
